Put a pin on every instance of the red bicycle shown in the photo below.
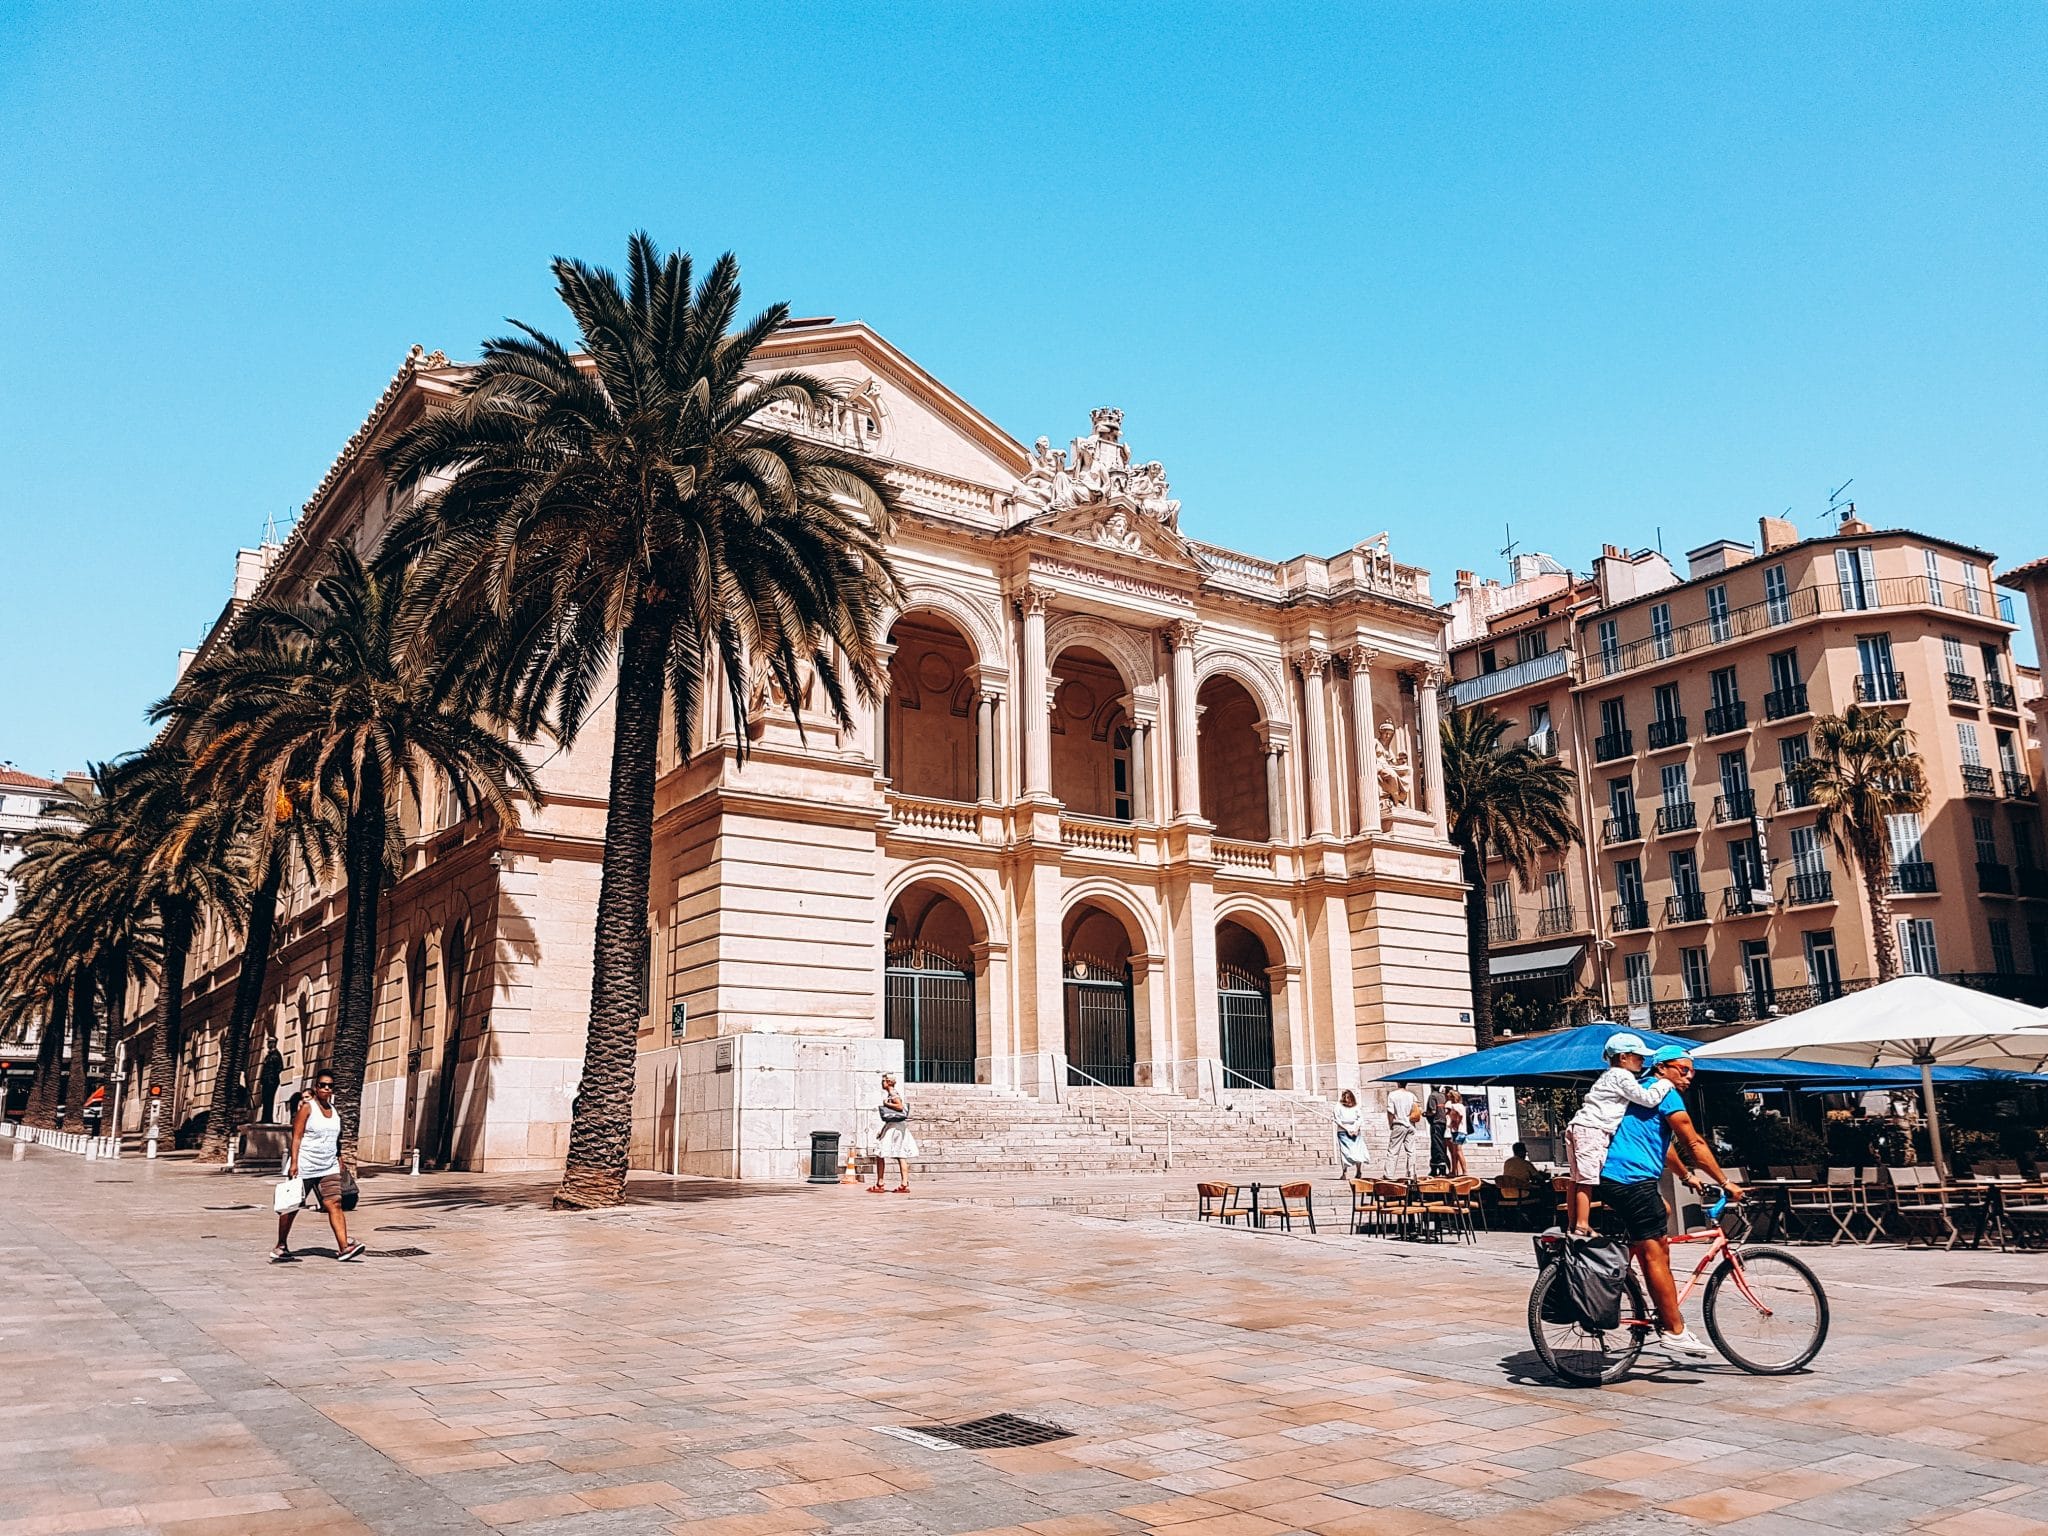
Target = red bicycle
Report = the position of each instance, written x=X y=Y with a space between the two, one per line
x=1763 y=1308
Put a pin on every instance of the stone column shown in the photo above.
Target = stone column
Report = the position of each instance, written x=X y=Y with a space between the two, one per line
x=985 y=747
x=1141 y=770
x=1315 y=746
x=1187 y=764
x=1036 y=703
x=1427 y=681
x=1276 y=809
x=1363 y=732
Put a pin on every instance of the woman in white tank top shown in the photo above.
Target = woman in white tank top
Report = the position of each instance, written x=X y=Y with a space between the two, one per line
x=316 y=1159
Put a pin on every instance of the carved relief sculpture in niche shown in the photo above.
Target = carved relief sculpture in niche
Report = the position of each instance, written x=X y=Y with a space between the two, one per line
x=1396 y=775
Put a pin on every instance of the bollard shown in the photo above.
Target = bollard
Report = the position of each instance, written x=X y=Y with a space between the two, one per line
x=234 y=1142
x=91 y=1153
x=415 y=1162
x=150 y=1146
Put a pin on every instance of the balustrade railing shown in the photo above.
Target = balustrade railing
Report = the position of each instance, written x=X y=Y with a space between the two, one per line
x=1977 y=780
x=1736 y=805
x=1809 y=887
x=1667 y=733
x=1792 y=795
x=1096 y=836
x=1725 y=719
x=1783 y=703
x=1628 y=916
x=1740 y=901
x=2017 y=785
x=1555 y=920
x=949 y=816
x=1503 y=927
x=1686 y=907
x=1677 y=816
x=1624 y=828
x=1914 y=877
x=1614 y=744
x=1962 y=688
x=1233 y=854
x=1881 y=688
x=2000 y=695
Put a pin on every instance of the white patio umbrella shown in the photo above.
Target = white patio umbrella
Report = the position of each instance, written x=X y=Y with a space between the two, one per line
x=1910 y=1021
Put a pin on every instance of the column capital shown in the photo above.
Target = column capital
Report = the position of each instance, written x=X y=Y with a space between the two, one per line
x=1360 y=657
x=1030 y=599
x=1432 y=675
x=1311 y=661
x=1181 y=633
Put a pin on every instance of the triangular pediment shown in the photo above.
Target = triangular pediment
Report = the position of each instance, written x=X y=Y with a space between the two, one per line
x=1116 y=531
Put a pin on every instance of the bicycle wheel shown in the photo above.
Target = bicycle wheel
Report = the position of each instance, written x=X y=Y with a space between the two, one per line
x=1771 y=1321
x=1585 y=1358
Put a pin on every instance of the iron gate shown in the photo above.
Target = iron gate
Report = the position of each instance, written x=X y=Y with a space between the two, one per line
x=930 y=1008
x=1245 y=1009
x=1101 y=1038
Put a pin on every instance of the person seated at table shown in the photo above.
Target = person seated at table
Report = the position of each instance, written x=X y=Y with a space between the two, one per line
x=1518 y=1169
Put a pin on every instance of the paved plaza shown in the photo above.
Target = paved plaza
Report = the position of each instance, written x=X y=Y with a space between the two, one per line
x=721 y=1359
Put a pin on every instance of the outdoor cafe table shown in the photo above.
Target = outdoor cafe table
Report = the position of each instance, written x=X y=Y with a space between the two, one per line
x=1775 y=1209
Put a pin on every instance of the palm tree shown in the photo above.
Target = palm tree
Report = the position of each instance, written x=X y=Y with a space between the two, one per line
x=1862 y=772
x=1503 y=802
x=640 y=509
x=346 y=701
x=34 y=995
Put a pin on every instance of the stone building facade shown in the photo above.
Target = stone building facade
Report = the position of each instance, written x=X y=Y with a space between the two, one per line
x=1135 y=810
x=1704 y=893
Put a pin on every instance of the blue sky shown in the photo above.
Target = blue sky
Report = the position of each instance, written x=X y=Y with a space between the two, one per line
x=1606 y=273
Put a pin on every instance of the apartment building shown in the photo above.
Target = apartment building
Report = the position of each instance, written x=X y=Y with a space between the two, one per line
x=1704 y=891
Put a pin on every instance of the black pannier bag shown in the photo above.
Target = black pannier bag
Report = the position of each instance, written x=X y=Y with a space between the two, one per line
x=1595 y=1277
x=1557 y=1301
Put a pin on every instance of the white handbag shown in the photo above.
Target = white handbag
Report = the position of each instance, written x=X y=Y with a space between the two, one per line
x=291 y=1194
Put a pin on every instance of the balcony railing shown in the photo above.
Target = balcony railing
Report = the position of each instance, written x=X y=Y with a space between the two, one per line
x=1977 y=780
x=1881 y=688
x=1677 y=816
x=1993 y=878
x=2017 y=785
x=1915 y=877
x=1827 y=597
x=1792 y=795
x=1614 y=744
x=1628 y=916
x=1667 y=732
x=1962 y=688
x=1625 y=828
x=1723 y=719
x=2000 y=695
x=1740 y=901
x=1784 y=703
x=1555 y=920
x=1506 y=679
x=1686 y=907
x=2033 y=882
x=1503 y=927
x=1738 y=805
x=1809 y=887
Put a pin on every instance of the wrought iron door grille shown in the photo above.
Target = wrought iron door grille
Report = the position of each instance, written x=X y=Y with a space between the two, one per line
x=1101 y=1036
x=929 y=1002
x=1244 y=1008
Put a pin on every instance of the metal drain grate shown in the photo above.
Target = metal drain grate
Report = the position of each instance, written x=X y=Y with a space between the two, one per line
x=229 y=1207
x=2024 y=1286
x=176 y=1410
x=998 y=1432
x=405 y=1229
x=398 y=1253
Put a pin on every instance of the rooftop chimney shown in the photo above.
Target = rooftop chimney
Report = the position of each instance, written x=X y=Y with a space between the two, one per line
x=1776 y=533
x=1717 y=556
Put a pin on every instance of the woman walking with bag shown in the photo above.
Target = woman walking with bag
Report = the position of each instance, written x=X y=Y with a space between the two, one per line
x=895 y=1140
x=1351 y=1149
x=315 y=1163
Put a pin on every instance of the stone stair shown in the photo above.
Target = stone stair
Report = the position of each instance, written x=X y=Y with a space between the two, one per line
x=967 y=1132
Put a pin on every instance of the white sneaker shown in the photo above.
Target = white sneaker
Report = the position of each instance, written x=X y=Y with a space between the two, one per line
x=1685 y=1345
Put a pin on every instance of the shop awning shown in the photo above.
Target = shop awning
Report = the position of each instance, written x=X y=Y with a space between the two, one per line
x=1534 y=962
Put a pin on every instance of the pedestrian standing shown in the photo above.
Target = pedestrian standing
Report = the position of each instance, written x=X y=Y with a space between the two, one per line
x=1404 y=1116
x=895 y=1140
x=316 y=1159
x=1455 y=1123
x=1439 y=1154
x=1352 y=1152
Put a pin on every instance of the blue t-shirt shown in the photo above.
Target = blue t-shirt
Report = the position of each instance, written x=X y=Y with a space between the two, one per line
x=1637 y=1151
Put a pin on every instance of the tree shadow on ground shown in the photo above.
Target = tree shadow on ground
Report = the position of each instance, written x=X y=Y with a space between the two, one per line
x=468 y=1192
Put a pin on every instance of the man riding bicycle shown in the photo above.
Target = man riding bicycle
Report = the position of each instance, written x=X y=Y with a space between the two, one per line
x=1642 y=1147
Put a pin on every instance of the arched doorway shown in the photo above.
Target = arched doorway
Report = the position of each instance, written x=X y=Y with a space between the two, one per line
x=929 y=739
x=1091 y=738
x=1244 y=1006
x=928 y=986
x=1101 y=1030
x=1232 y=755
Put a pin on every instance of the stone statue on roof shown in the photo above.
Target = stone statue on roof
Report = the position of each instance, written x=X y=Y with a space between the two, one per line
x=1096 y=471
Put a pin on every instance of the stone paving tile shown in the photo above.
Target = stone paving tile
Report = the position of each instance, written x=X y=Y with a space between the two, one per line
x=715 y=1367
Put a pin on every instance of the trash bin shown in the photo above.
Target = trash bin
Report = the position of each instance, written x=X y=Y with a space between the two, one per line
x=824 y=1157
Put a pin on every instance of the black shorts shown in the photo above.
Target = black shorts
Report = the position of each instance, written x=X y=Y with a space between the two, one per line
x=1639 y=1207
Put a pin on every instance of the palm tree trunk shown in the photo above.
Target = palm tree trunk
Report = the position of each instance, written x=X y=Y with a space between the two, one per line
x=601 y=1121
x=1877 y=893
x=76 y=1087
x=167 y=1049
x=42 y=1093
x=1476 y=940
x=363 y=865
x=230 y=1094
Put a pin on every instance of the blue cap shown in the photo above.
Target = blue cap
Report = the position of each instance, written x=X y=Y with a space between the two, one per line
x=1625 y=1043
x=1665 y=1053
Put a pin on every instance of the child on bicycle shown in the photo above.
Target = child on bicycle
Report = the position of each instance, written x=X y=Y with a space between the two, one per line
x=1592 y=1128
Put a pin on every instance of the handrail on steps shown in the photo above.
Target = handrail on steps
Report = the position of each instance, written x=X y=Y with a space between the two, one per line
x=1130 y=1112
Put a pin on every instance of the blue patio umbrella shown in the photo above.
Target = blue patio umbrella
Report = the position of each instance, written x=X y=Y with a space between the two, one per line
x=1566 y=1055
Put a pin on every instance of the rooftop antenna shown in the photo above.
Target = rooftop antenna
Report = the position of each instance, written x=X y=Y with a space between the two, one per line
x=1508 y=550
x=1835 y=496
